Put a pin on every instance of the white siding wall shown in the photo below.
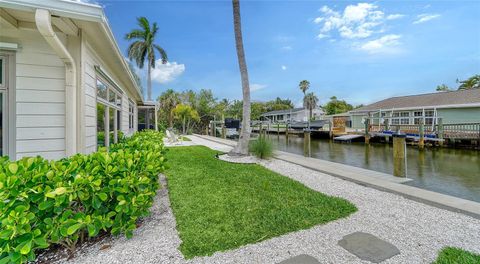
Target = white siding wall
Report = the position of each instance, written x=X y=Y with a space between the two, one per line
x=40 y=95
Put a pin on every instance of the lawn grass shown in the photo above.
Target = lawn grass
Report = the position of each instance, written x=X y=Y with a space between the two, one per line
x=220 y=205
x=186 y=139
x=452 y=255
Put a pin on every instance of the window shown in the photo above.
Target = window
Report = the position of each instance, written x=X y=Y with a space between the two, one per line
x=404 y=121
x=3 y=107
x=404 y=114
x=131 y=112
x=109 y=102
x=101 y=90
x=395 y=121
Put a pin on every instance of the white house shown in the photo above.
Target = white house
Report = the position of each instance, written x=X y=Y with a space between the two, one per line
x=64 y=81
x=292 y=115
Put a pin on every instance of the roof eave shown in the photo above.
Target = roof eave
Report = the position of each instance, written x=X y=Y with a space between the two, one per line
x=80 y=11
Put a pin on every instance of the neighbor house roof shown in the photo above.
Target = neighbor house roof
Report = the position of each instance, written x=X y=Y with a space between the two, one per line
x=461 y=98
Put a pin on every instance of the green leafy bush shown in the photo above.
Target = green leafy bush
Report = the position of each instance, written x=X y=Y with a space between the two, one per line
x=61 y=202
x=261 y=147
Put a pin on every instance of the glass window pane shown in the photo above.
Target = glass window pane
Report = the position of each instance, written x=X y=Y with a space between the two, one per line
x=101 y=90
x=111 y=96
x=119 y=121
x=100 y=125
x=1 y=71
x=111 y=117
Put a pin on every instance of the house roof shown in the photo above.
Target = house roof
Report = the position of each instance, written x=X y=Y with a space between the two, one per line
x=87 y=14
x=461 y=98
x=282 y=112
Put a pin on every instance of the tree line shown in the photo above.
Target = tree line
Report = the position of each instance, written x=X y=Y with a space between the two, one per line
x=191 y=111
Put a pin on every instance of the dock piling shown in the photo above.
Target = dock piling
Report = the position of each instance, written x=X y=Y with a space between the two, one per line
x=307 y=148
x=367 y=132
x=440 y=132
x=399 y=155
x=421 y=140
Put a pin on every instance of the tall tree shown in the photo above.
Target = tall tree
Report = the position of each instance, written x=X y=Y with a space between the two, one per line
x=144 y=47
x=185 y=114
x=335 y=106
x=168 y=101
x=242 y=146
x=304 y=85
x=310 y=101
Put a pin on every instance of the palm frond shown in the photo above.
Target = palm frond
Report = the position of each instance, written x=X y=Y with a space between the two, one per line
x=135 y=34
x=154 y=29
x=136 y=52
x=163 y=54
x=144 y=24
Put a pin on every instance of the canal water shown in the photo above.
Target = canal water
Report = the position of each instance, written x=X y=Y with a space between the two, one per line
x=454 y=172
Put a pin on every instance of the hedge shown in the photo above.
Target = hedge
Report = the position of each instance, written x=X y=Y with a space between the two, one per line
x=62 y=202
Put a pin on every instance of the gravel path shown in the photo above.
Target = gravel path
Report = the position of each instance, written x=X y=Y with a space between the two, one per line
x=418 y=230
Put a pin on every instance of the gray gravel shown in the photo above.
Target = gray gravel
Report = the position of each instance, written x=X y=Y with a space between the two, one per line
x=419 y=231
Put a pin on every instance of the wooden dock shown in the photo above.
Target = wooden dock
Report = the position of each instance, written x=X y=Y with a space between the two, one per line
x=347 y=138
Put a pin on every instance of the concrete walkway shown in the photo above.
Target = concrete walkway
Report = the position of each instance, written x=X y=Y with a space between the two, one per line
x=377 y=180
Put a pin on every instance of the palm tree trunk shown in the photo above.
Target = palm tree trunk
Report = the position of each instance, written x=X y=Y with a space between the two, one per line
x=242 y=146
x=149 y=82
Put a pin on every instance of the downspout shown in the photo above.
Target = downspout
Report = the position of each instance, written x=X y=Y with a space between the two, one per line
x=44 y=25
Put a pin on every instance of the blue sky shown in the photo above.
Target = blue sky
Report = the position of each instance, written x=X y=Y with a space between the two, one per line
x=357 y=51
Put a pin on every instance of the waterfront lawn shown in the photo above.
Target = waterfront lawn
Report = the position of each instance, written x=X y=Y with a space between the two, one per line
x=220 y=205
x=452 y=255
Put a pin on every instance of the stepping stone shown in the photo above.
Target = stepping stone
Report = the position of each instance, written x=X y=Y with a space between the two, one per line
x=301 y=259
x=368 y=247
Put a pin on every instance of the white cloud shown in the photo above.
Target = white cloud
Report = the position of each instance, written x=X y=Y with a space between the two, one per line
x=425 y=17
x=385 y=44
x=255 y=87
x=164 y=73
x=284 y=67
x=321 y=36
x=356 y=21
x=286 y=48
x=394 y=16
x=318 y=20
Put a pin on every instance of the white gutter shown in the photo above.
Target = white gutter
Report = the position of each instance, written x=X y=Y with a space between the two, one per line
x=44 y=25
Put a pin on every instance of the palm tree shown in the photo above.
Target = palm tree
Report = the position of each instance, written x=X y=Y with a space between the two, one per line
x=168 y=101
x=470 y=83
x=304 y=85
x=310 y=101
x=242 y=146
x=144 y=47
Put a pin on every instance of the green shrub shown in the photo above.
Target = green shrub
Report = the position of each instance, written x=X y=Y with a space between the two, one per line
x=261 y=147
x=61 y=202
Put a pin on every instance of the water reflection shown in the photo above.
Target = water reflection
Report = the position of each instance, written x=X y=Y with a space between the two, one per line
x=451 y=171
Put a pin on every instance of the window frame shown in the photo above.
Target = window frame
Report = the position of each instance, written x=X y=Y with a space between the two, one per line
x=117 y=122
x=7 y=87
